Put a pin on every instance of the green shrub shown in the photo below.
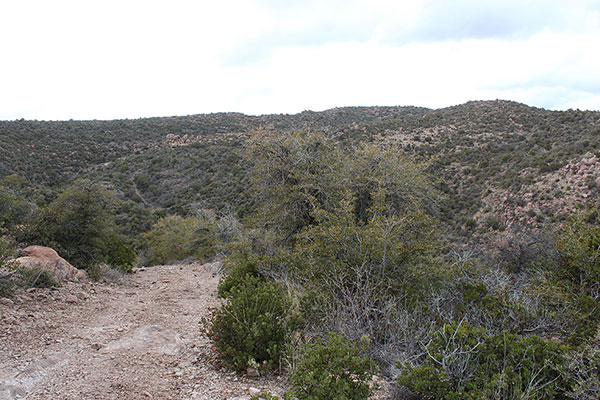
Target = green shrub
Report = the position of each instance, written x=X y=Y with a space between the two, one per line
x=7 y=253
x=78 y=224
x=13 y=209
x=578 y=244
x=493 y=222
x=463 y=362
x=254 y=325
x=37 y=277
x=120 y=256
x=332 y=369
x=356 y=274
x=175 y=238
x=6 y=286
x=583 y=371
x=238 y=267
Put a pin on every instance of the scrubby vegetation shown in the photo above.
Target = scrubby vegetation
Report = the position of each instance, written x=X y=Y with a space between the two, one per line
x=354 y=233
x=175 y=238
x=458 y=249
x=253 y=326
x=463 y=362
x=79 y=224
x=332 y=369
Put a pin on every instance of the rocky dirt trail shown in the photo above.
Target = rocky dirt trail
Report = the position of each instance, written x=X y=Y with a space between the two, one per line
x=139 y=338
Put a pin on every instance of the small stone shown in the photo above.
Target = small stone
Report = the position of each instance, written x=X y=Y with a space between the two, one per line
x=96 y=346
x=252 y=372
x=42 y=296
x=82 y=295
x=71 y=299
x=6 y=302
x=254 y=392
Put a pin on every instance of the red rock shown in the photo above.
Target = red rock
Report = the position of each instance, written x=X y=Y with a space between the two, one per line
x=7 y=302
x=49 y=260
x=71 y=299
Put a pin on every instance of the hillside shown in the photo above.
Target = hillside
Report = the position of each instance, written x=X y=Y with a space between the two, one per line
x=453 y=251
x=499 y=163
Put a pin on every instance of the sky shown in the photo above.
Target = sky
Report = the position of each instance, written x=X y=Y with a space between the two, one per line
x=130 y=59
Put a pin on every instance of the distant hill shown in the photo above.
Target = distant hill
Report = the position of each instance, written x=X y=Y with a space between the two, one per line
x=501 y=164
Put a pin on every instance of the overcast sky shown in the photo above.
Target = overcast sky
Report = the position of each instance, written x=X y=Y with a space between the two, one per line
x=128 y=59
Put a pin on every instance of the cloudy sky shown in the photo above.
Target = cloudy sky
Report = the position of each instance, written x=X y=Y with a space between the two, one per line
x=128 y=59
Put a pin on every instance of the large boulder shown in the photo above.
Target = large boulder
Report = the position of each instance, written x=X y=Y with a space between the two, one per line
x=47 y=259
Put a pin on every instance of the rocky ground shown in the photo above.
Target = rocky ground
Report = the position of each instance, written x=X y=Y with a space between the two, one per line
x=135 y=339
x=139 y=338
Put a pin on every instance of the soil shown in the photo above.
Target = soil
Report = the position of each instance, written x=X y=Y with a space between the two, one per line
x=137 y=337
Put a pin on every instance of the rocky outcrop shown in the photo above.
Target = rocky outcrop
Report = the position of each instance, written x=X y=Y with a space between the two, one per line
x=555 y=194
x=47 y=259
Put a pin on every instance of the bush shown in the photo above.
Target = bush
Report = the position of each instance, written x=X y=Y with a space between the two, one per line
x=176 y=238
x=37 y=277
x=78 y=224
x=332 y=369
x=120 y=256
x=463 y=362
x=7 y=267
x=251 y=329
x=295 y=174
x=14 y=208
x=238 y=267
x=578 y=244
x=360 y=277
x=583 y=370
x=6 y=286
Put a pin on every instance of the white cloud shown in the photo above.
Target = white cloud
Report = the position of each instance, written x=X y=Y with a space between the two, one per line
x=116 y=59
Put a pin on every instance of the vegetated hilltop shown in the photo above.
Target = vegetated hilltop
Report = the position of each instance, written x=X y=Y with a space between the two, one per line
x=500 y=163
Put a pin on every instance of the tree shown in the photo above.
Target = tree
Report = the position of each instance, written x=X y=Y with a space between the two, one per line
x=289 y=174
x=175 y=238
x=14 y=208
x=354 y=231
x=294 y=174
x=578 y=243
x=356 y=275
x=79 y=224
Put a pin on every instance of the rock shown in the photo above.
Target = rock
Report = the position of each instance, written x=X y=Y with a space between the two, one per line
x=71 y=299
x=47 y=259
x=42 y=296
x=147 y=339
x=252 y=372
x=82 y=295
x=7 y=302
x=598 y=182
x=254 y=392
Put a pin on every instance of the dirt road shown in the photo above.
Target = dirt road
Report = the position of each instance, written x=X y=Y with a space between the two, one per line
x=136 y=339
